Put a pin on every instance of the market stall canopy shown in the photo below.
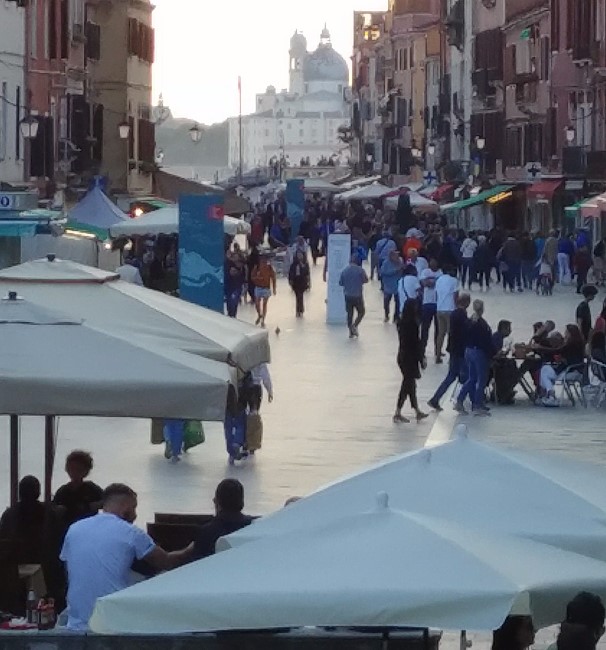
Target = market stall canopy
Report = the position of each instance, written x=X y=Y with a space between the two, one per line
x=136 y=313
x=166 y=222
x=360 y=181
x=95 y=214
x=366 y=193
x=383 y=568
x=538 y=496
x=499 y=192
x=417 y=202
x=319 y=185
x=594 y=206
x=171 y=187
x=56 y=364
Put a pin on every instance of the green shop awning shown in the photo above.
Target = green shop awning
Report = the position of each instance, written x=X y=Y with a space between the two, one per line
x=493 y=195
x=102 y=234
x=575 y=207
x=18 y=228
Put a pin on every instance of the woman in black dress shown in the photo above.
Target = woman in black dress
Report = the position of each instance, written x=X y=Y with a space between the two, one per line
x=298 y=278
x=410 y=360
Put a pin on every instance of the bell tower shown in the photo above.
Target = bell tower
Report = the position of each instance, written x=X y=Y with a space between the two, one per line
x=298 y=52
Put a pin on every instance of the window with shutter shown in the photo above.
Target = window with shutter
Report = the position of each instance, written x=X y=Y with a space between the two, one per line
x=509 y=67
x=545 y=58
x=555 y=25
x=522 y=62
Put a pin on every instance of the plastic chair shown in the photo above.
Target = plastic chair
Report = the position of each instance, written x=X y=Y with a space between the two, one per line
x=598 y=374
x=572 y=383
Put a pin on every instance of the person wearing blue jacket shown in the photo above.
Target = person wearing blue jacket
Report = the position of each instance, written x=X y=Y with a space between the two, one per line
x=479 y=350
x=390 y=273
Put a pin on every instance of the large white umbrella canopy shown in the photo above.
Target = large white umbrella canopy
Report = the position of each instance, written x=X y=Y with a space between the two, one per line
x=366 y=193
x=539 y=496
x=319 y=185
x=136 y=313
x=165 y=221
x=52 y=364
x=381 y=569
x=417 y=201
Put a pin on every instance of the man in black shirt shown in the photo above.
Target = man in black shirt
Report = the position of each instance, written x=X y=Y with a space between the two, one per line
x=456 y=348
x=229 y=503
x=583 y=315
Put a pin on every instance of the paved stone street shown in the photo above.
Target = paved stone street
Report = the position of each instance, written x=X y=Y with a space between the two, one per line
x=334 y=399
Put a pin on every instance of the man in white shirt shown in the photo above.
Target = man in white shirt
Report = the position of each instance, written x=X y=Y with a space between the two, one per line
x=259 y=377
x=420 y=263
x=409 y=286
x=446 y=295
x=99 y=551
x=130 y=273
x=429 y=312
x=468 y=249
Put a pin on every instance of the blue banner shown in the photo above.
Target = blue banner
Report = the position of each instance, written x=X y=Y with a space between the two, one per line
x=295 y=205
x=201 y=251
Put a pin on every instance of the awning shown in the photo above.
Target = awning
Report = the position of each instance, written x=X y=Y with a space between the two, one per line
x=544 y=190
x=18 y=228
x=493 y=195
x=440 y=193
x=575 y=207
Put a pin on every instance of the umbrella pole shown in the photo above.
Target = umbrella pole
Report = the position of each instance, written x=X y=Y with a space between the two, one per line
x=49 y=456
x=14 y=458
x=465 y=645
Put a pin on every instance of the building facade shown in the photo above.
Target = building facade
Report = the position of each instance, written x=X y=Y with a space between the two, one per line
x=12 y=91
x=121 y=83
x=300 y=124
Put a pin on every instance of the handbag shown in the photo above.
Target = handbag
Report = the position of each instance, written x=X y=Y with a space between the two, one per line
x=193 y=434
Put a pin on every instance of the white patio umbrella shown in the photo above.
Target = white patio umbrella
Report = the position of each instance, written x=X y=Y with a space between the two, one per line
x=54 y=364
x=366 y=193
x=417 y=201
x=539 y=496
x=165 y=221
x=381 y=569
x=319 y=185
x=136 y=313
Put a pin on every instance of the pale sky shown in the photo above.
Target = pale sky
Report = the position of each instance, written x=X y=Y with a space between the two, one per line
x=203 y=45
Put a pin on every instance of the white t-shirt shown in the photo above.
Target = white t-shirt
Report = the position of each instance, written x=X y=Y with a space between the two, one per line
x=468 y=248
x=98 y=553
x=129 y=273
x=408 y=287
x=421 y=264
x=446 y=287
x=430 y=295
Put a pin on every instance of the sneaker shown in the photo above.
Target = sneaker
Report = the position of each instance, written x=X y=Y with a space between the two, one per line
x=459 y=408
x=434 y=405
x=439 y=360
x=550 y=402
x=481 y=413
x=400 y=419
x=355 y=332
x=386 y=319
x=258 y=320
x=421 y=416
x=351 y=334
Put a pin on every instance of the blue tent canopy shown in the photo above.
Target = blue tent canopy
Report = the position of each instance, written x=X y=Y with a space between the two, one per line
x=97 y=211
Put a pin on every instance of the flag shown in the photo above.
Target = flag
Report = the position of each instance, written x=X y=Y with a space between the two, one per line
x=215 y=212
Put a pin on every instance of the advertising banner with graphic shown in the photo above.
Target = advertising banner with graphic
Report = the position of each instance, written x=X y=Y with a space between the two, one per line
x=339 y=254
x=295 y=205
x=201 y=251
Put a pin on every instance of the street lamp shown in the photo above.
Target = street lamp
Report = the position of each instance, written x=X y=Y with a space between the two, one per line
x=124 y=130
x=29 y=128
x=416 y=153
x=480 y=143
x=570 y=134
x=195 y=133
x=431 y=148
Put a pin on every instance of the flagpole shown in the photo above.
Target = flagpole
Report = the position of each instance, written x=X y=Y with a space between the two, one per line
x=240 y=129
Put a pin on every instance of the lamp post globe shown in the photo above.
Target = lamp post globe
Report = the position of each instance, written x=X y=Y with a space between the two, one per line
x=124 y=130
x=195 y=133
x=29 y=128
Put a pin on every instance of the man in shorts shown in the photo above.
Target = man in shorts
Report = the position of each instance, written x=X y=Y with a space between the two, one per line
x=264 y=277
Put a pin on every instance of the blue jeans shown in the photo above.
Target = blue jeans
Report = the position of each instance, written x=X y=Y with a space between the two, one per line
x=467 y=270
x=429 y=314
x=456 y=370
x=528 y=274
x=232 y=301
x=173 y=435
x=387 y=303
x=512 y=276
x=477 y=366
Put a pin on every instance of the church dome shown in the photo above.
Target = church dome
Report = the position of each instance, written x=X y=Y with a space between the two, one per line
x=325 y=64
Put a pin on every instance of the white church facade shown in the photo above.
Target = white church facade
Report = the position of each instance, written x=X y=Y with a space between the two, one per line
x=301 y=123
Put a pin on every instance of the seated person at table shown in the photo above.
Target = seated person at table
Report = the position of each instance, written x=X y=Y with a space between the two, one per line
x=99 y=551
x=597 y=351
x=79 y=498
x=541 y=338
x=229 y=503
x=571 y=353
x=504 y=370
x=36 y=529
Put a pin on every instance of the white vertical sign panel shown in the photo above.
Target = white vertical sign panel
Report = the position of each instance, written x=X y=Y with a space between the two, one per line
x=339 y=254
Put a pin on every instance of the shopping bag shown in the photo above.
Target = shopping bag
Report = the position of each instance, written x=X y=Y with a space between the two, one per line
x=157 y=432
x=254 y=431
x=193 y=434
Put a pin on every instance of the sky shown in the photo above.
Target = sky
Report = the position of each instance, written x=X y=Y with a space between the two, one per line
x=203 y=45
